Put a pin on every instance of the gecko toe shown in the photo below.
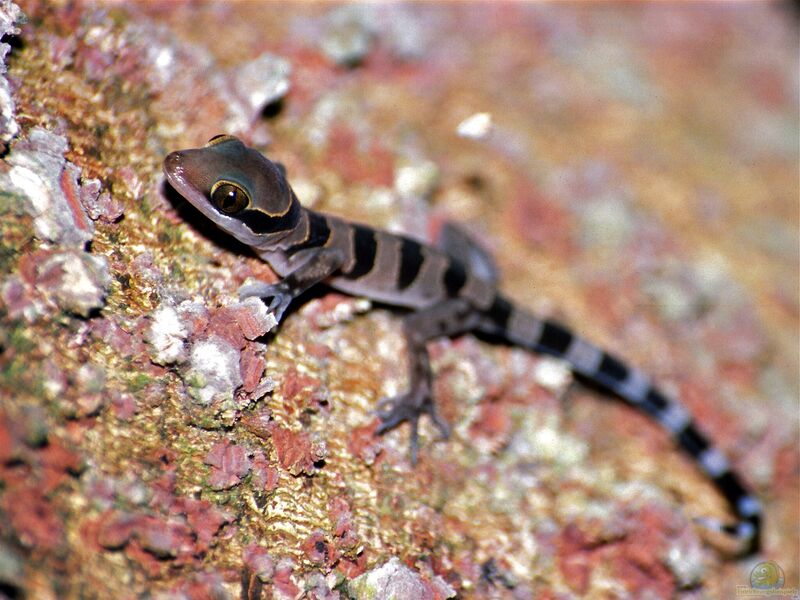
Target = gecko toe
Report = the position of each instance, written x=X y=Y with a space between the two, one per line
x=392 y=412
x=409 y=407
x=442 y=425
x=388 y=423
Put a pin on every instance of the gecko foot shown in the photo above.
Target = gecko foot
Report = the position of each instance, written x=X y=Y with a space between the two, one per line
x=410 y=407
x=276 y=296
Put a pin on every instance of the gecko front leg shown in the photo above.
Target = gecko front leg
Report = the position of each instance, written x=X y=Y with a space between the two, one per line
x=445 y=319
x=321 y=264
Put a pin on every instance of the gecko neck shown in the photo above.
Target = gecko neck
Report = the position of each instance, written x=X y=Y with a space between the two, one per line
x=272 y=247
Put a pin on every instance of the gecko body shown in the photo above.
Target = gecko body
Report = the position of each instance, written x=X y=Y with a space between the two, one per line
x=450 y=288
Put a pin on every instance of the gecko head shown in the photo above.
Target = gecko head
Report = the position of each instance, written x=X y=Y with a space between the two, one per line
x=240 y=190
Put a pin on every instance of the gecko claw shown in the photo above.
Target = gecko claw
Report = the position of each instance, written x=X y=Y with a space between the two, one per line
x=442 y=425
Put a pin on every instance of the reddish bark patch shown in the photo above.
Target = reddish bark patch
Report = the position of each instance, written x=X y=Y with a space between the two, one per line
x=541 y=222
x=57 y=463
x=116 y=337
x=201 y=586
x=258 y=560
x=252 y=366
x=33 y=517
x=149 y=563
x=493 y=424
x=295 y=451
x=229 y=463
x=29 y=476
x=372 y=164
x=115 y=529
x=346 y=537
x=351 y=568
x=124 y=405
x=294 y=383
x=6 y=439
x=203 y=517
x=164 y=537
x=282 y=580
x=638 y=563
x=265 y=476
x=364 y=444
x=69 y=185
x=224 y=323
x=636 y=559
x=259 y=423
x=319 y=550
x=575 y=560
x=313 y=73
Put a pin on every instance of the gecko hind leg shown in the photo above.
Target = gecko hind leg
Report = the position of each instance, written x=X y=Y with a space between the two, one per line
x=445 y=319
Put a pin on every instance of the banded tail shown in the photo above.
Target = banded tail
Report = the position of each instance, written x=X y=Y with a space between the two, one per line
x=634 y=387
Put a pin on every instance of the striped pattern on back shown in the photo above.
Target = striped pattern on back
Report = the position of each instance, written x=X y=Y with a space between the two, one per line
x=384 y=266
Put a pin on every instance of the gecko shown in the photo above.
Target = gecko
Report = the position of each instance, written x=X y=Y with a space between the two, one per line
x=448 y=289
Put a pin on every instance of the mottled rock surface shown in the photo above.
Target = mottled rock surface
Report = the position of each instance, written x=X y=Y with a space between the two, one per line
x=633 y=169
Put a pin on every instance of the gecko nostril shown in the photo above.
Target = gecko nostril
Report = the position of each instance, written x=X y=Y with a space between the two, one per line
x=173 y=161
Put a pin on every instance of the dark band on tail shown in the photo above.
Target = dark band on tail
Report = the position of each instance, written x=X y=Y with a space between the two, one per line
x=554 y=339
x=636 y=389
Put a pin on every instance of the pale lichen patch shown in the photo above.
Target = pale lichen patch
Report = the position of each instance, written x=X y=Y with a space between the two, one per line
x=214 y=371
x=39 y=171
x=76 y=281
x=167 y=335
x=395 y=581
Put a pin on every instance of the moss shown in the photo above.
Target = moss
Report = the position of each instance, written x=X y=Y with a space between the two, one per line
x=19 y=374
x=11 y=203
x=16 y=229
x=138 y=381
x=7 y=258
x=19 y=339
x=207 y=421
x=170 y=237
x=176 y=273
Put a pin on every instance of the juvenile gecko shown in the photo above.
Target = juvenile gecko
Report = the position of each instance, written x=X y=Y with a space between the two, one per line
x=451 y=289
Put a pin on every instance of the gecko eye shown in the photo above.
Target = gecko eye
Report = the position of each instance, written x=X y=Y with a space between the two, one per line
x=218 y=139
x=229 y=197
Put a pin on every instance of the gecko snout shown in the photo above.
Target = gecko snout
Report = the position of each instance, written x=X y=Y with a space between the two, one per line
x=173 y=162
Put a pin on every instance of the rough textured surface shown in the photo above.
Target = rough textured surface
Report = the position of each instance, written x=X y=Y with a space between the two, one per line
x=633 y=169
